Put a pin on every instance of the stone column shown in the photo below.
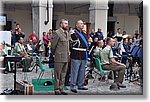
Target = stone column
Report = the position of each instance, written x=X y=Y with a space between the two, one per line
x=98 y=15
x=1 y=6
x=39 y=14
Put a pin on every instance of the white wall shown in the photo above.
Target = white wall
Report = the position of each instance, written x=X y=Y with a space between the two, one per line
x=5 y=36
x=23 y=17
x=127 y=23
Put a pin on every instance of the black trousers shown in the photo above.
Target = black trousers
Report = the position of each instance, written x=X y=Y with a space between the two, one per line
x=46 y=50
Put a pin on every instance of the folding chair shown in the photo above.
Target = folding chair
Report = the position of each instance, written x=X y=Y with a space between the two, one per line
x=102 y=73
x=43 y=68
x=34 y=63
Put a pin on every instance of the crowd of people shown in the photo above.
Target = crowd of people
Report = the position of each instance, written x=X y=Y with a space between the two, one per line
x=117 y=46
x=71 y=50
x=22 y=47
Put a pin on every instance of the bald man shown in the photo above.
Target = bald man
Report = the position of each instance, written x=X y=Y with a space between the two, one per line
x=78 y=57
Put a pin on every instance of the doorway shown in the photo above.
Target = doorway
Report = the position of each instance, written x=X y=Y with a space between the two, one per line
x=8 y=26
x=111 y=27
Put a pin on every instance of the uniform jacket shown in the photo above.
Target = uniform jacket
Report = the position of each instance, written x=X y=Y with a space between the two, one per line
x=60 y=46
x=77 y=42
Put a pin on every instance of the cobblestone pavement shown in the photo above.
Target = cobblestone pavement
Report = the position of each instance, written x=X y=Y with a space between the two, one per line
x=96 y=88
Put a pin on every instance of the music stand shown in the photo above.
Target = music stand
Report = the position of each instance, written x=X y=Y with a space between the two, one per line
x=37 y=47
x=14 y=59
x=34 y=54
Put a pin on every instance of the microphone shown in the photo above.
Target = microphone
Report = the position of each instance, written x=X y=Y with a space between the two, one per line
x=91 y=50
x=8 y=45
x=3 y=43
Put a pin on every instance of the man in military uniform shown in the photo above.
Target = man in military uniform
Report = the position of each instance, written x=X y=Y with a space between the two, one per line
x=60 y=49
x=109 y=63
x=22 y=52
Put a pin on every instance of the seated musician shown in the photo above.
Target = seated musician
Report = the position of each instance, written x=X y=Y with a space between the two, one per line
x=20 y=49
x=3 y=62
x=98 y=48
x=92 y=47
x=115 y=50
x=124 y=50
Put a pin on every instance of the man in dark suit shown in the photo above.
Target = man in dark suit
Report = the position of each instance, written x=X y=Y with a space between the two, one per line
x=60 y=49
x=78 y=57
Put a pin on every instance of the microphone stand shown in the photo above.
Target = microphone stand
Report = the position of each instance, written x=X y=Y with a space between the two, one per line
x=89 y=74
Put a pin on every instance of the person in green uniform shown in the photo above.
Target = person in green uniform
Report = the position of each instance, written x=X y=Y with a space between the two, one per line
x=20 y=49
x=109 y=63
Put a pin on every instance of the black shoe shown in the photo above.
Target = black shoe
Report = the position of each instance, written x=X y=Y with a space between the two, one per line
x=102 y=79
x=114 y=87
x=110 y=77
x=57 y=93
x=121 y=85
x=12 y=71
x=67 y=84
x=5 y=72
x=90 y=76
x=64 y=93
x=74 y=90
x=26 y=70
x=83 y=88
